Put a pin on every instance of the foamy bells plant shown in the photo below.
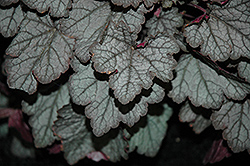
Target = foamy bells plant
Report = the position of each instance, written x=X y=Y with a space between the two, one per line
x=125 y=56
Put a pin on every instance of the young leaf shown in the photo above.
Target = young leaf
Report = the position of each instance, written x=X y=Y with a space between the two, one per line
x=57 y=8
x=194 y=117
x=225 y=34
x=203 y=85
x=134 y=3
x=10 y=20
x=89 y=19
x=135 y=67
x=102 y=108
x=167 y=22
x=233 y=118
x=16 y=121
x=148 y=138
x=216 y=153
x=78 y=142
x=43 y=113
x=40 y=51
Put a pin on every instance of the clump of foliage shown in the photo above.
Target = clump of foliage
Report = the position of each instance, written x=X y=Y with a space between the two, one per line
x=94 y=67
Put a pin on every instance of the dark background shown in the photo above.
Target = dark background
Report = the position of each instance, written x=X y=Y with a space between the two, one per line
x=181 y=146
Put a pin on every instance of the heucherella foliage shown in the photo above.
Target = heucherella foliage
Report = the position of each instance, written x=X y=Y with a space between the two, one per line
x=94 y=68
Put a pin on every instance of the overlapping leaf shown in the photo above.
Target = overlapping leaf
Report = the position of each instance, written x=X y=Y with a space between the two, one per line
x=135 y=67
x=134 y=3
x=233 y=118
x=169 y=3
x=203 y=86
x=40 y=51
x=10 y=20
x=78 y=141
x=43 y=113
x=7 y=2
x=102 y=108
x=225 y=34
x=244 y=70
x=167 y=22
x=57 y=8
x=148 y=138
x=198 y=119
x=89 y=19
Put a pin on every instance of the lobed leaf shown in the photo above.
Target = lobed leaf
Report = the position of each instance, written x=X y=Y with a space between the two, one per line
x=10 y=20
x=134 y=3
x=78 y=142
x=203 y=86
x=233 y=118
x=75 y=137
x=103 y=110
x=43 y=113
x=225 y=34
x=244 y=70
x=195 y=117
x=39 y=52
x=135 y=67
x=57 y=8
x=167 y=22
x=7 y=2
x=89 y=20
x=148 y=138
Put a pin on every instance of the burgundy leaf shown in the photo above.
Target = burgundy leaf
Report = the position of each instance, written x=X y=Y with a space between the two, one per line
x=55 y=149
x=97 y=156
x=16 y=121
x=216 y=153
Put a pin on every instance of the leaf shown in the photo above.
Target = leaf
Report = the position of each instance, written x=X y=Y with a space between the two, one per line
x=78 y=142
x=233 y=118
x=203 y=86
x=169 y=3
x=16 y=121
x=7 y=2
x=103 y=110
x=134 y=3
x=225 y=34
x=39 y=52
x=76 y=139
x=216 y=153
x=97 y=156
x=141 y=108
x=197 y=118
x=57 y=8
x=244 y=70
x=148 y=137
x=167 y=22
x=83 y=19
x=135 y=67
x=10 y=20
x=43 y=113
x=20 y=150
